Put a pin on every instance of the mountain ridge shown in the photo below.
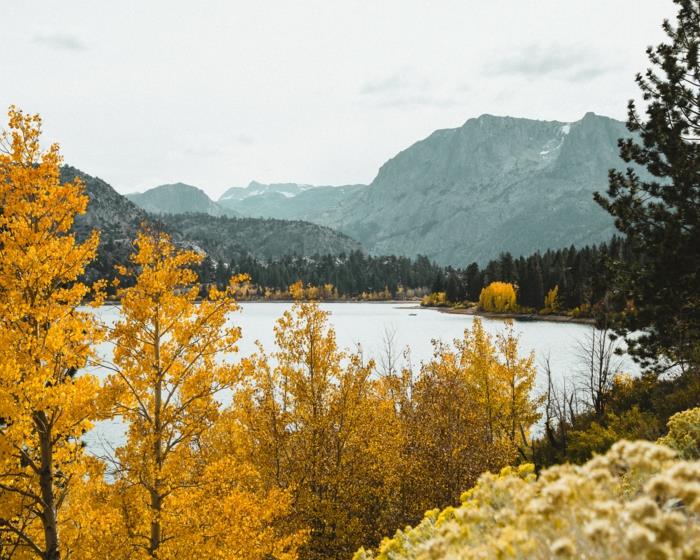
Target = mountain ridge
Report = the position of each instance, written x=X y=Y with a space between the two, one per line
x=463 y=194
x=178 y=198
x=118 y=219
x=494 y=184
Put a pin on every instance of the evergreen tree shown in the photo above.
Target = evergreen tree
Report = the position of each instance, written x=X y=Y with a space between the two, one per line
x=660 y=213
x=452 y=288
x=474 y=282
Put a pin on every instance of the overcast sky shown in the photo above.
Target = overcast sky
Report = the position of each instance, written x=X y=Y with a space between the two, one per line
x=216 y=93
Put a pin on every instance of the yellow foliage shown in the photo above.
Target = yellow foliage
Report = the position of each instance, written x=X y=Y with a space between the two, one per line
x=498 y=297
x=314 y=424
x=551 y=300
x=436 y=299
x=44 y=340
x=684 y=433
x=178 y=494
x=473 y=409
x=636 y=501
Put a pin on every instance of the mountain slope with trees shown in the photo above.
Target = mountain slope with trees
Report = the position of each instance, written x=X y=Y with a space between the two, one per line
x=118 y=220
x=225 y=238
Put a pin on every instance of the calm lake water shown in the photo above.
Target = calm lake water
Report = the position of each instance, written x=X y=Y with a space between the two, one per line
x=366 y=324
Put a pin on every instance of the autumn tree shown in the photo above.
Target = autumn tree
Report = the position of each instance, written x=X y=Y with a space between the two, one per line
x=44 y=340
x=498 y=297
x=177 y=496
x=467 y=410
x=314 y=422
x=551 y=300
x=660 y=211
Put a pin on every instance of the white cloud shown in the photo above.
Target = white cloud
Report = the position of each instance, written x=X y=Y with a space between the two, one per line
x=60 y=41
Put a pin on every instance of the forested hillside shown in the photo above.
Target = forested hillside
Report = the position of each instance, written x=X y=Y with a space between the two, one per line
x=118 y=220
x=229 y=238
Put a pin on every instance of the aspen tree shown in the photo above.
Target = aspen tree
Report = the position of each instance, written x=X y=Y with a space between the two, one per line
x=44 y=340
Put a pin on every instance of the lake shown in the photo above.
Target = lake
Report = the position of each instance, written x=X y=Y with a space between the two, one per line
x=366 y=324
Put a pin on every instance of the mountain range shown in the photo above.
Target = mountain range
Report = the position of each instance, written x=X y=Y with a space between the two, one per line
x=494 y=184
x=463 y=194
x=221 y=237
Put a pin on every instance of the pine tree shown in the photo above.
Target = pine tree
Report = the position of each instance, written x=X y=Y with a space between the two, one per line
x=660 y=215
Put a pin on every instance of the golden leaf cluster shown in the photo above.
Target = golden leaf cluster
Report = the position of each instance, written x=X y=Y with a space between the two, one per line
x=498 y=297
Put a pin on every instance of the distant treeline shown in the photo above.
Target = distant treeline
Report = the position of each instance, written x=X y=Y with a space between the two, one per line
x=351 y=275
x=580 y=274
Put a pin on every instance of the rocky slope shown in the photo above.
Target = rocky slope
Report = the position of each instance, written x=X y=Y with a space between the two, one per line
x=494 y=184
x=113 y=215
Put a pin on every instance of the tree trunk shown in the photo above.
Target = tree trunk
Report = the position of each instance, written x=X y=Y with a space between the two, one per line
x=156 y=498
x=48 y=513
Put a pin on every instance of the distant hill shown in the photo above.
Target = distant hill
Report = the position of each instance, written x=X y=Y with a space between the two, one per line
x=254 y=189
x=118 y=220
x=290 y=201
x=466 y=194
x=178 y=198
x=227 y=238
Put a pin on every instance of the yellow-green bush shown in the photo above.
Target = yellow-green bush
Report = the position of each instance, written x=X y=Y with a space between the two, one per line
x=436 y=299
x=498 y=297
x=638 y=501
x=684 y=433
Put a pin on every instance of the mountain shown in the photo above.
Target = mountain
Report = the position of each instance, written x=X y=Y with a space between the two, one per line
x=287 y=190
x=118 y=220
x=290 y=201
x=226 y=238
x=466 y=194
x=494 y=184
x=178 y=198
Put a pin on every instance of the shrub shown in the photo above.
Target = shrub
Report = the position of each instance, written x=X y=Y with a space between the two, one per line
x=636 y=501
x=498 y=297
x=436 y=299
x=684 y=433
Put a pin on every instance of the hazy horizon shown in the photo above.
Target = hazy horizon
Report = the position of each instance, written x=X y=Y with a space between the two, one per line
x=220 y=94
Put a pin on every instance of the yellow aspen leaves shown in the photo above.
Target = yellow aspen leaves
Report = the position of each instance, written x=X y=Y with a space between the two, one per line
x=551 y=300
x=468 y=410
x=44 y=340
x=498 y=297
x=313 y=420
x=178 y=497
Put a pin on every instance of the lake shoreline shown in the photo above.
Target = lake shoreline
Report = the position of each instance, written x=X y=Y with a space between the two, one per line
x=514 y=316
x=525 y=317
